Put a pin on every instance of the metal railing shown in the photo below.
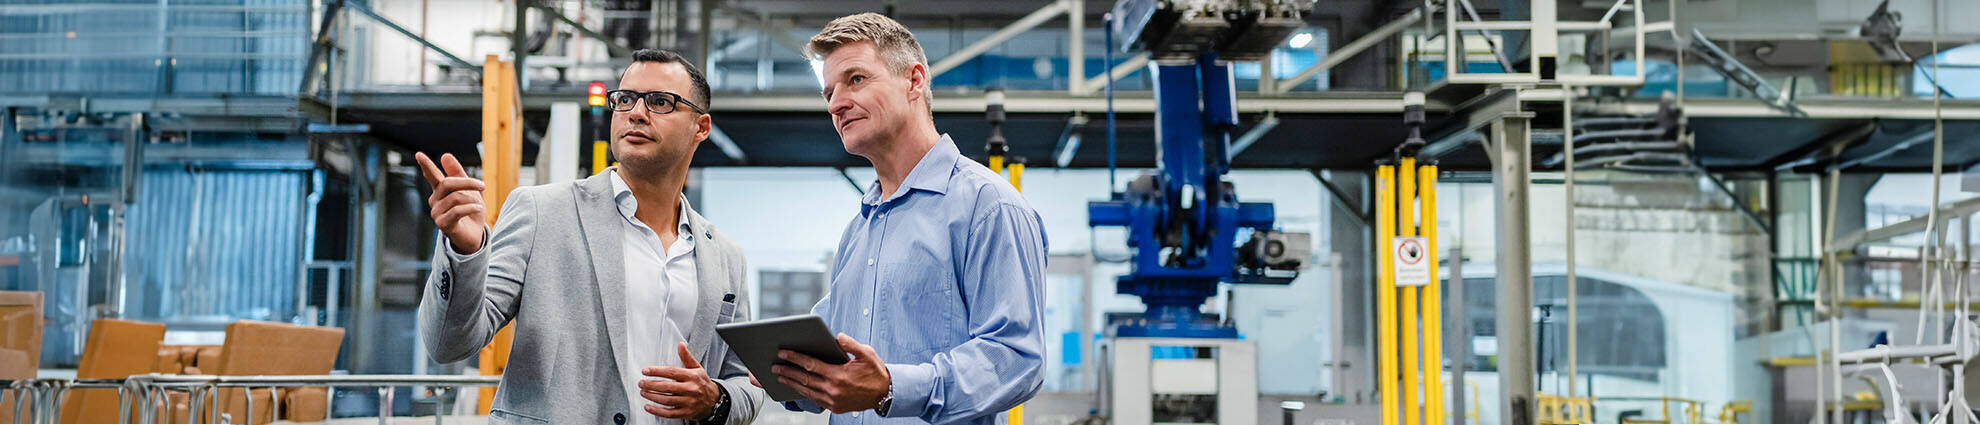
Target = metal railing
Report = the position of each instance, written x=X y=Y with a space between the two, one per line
x=148 y=394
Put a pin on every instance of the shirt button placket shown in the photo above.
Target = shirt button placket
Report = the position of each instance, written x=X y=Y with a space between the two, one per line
x=874 y=228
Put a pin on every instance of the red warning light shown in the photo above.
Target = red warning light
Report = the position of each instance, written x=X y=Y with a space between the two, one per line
x=597 y=94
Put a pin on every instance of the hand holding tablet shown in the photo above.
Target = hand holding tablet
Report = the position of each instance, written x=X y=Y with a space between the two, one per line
x=757 y=344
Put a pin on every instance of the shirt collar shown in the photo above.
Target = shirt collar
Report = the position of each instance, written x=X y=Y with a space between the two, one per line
x=931 y=174
x=628 y=205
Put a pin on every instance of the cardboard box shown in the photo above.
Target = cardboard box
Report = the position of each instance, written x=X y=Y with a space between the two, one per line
x=305 y=404
x=176 y=410
x=269 y=348
x=208 y=360
x=20 y=334
x=20 y=341
x=116 y=349
x=182 y=359
x=168 y=361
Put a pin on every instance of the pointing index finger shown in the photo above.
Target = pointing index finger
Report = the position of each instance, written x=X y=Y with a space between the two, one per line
x=428 y=169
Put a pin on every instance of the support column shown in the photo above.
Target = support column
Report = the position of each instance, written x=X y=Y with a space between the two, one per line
x=1076 y=35
x=1352 y=242
x=366 y=261
x=1460 y=334
x=519 y=45
x=1511 y=181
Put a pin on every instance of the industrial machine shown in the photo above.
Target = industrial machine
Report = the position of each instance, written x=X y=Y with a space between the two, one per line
x=1185 y=221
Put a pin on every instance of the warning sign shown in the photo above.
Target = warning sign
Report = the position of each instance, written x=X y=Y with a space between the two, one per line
x=1412 y=265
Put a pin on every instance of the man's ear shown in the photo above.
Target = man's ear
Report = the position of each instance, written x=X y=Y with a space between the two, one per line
x=917 y=82
x=702 y=126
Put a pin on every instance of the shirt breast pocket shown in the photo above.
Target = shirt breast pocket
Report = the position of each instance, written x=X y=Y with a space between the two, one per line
x=930 y=316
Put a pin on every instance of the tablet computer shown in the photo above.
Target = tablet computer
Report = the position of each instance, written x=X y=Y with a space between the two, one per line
x=757 y=343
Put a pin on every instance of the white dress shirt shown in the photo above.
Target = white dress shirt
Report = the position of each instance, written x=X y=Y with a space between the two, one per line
x=661 y=292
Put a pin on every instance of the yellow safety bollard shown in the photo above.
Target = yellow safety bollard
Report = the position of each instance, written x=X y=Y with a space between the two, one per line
x=598 y=151
x=1412 y=367
x=1385 y=313
x=1405 y=192
x=1433 y=316
x=1017 y=176
x=1016 y=414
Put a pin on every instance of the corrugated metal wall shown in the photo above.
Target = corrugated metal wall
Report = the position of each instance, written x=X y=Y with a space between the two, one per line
x=130 y=46
x=215 y=243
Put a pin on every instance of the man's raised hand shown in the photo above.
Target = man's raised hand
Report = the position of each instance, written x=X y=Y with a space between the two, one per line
x=456 y=202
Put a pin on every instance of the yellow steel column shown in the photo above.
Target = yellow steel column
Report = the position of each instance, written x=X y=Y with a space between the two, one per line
x=501 y=160
x=1433 y=313
x=1412 y=372
x=1385 y=290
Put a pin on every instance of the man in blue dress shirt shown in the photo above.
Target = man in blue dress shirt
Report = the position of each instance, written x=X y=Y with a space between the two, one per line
x=942 y=271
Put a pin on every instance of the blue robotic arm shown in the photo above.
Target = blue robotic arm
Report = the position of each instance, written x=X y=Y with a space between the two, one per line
x=1184 y=220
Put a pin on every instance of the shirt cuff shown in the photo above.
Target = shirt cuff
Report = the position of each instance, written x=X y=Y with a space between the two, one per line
x=913 y=385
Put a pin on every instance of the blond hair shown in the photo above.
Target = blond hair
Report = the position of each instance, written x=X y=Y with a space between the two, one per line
x=892 y=41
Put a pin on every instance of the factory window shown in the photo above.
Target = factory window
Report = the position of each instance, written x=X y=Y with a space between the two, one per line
x=788 y=293
x=1622 y=333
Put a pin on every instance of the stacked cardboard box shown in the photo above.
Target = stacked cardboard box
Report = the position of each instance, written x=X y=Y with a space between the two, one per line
x=20 y=341
x=116 y=349
x=268 y=348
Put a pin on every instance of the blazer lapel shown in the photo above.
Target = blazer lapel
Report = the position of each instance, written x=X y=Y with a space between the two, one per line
x=711 y=269
x=598 y=220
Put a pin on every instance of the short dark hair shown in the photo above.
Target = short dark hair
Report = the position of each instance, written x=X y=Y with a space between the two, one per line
x=701 y=92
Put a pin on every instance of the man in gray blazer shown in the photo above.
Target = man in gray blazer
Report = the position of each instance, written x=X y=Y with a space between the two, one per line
x=614 y=283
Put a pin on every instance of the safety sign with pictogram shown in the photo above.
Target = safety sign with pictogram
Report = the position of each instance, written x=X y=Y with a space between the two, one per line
x=1412 y=265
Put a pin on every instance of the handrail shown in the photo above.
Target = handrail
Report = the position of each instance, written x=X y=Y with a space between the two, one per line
x=42 y=397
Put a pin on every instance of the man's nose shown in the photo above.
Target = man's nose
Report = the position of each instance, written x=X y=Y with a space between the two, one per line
x=838 y=106
x=638 y=114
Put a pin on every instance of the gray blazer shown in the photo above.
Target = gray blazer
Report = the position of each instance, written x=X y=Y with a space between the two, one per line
x=554 y=265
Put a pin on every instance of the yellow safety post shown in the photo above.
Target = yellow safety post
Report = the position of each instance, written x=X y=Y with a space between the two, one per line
x=1433 y=316
x=1412 y=367
x=1016 y=415
x=598 y=150
x=1017 y=175
x=1405 y=192
x=1385 y=312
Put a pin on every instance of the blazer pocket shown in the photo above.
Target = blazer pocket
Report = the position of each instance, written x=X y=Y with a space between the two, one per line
x=728 y=313
x=514 y=418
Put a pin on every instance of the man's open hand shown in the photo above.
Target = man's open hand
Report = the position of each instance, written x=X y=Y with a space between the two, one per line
x=685 y=394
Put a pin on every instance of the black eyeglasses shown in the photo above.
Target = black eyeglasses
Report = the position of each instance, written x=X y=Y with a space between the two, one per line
x=658 y=102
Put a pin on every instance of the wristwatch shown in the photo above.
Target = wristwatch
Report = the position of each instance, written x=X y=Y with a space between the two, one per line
x=885 y=402
x=720 y=414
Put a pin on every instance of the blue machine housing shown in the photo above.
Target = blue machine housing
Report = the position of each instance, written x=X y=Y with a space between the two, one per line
x=1183 y=221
